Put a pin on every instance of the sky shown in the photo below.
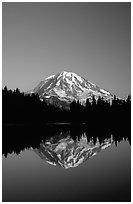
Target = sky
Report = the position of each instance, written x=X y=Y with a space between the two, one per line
x=91 y=39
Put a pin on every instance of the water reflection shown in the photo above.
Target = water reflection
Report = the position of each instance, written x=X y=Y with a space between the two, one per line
x=106 y=178
x=67 y=152
x=63 y=145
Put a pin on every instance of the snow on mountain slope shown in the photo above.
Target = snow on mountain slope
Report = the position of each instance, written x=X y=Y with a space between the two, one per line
x=68 y=86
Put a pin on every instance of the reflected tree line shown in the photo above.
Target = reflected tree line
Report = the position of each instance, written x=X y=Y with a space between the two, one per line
x=18 y=138
x=18 y=108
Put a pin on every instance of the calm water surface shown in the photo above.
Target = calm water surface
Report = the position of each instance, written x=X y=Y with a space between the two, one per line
x=103 y=174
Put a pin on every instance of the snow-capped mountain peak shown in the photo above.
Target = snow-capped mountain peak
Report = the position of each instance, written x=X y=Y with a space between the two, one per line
x=68 y=86
x=70 y=75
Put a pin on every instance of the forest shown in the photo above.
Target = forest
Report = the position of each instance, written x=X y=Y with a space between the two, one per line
x=21 y=108
x=27 y=120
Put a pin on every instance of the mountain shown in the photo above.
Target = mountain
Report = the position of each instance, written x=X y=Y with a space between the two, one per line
x=68 y=86
x=68 y=153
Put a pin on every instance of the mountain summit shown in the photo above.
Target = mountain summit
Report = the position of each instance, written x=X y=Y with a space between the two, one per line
x=68 y=86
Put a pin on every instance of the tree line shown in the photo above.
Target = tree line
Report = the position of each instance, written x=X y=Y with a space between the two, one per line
x=21 y=108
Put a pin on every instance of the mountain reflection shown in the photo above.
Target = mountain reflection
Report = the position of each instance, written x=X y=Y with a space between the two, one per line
x=67 y=152
x=63 y=145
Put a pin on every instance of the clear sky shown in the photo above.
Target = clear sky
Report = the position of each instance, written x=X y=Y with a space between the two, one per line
x=90 y=39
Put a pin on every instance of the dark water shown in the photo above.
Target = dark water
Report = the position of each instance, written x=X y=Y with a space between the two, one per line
x=82 y=166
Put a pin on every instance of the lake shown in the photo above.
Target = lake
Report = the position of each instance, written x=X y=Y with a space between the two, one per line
x=65 y=163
